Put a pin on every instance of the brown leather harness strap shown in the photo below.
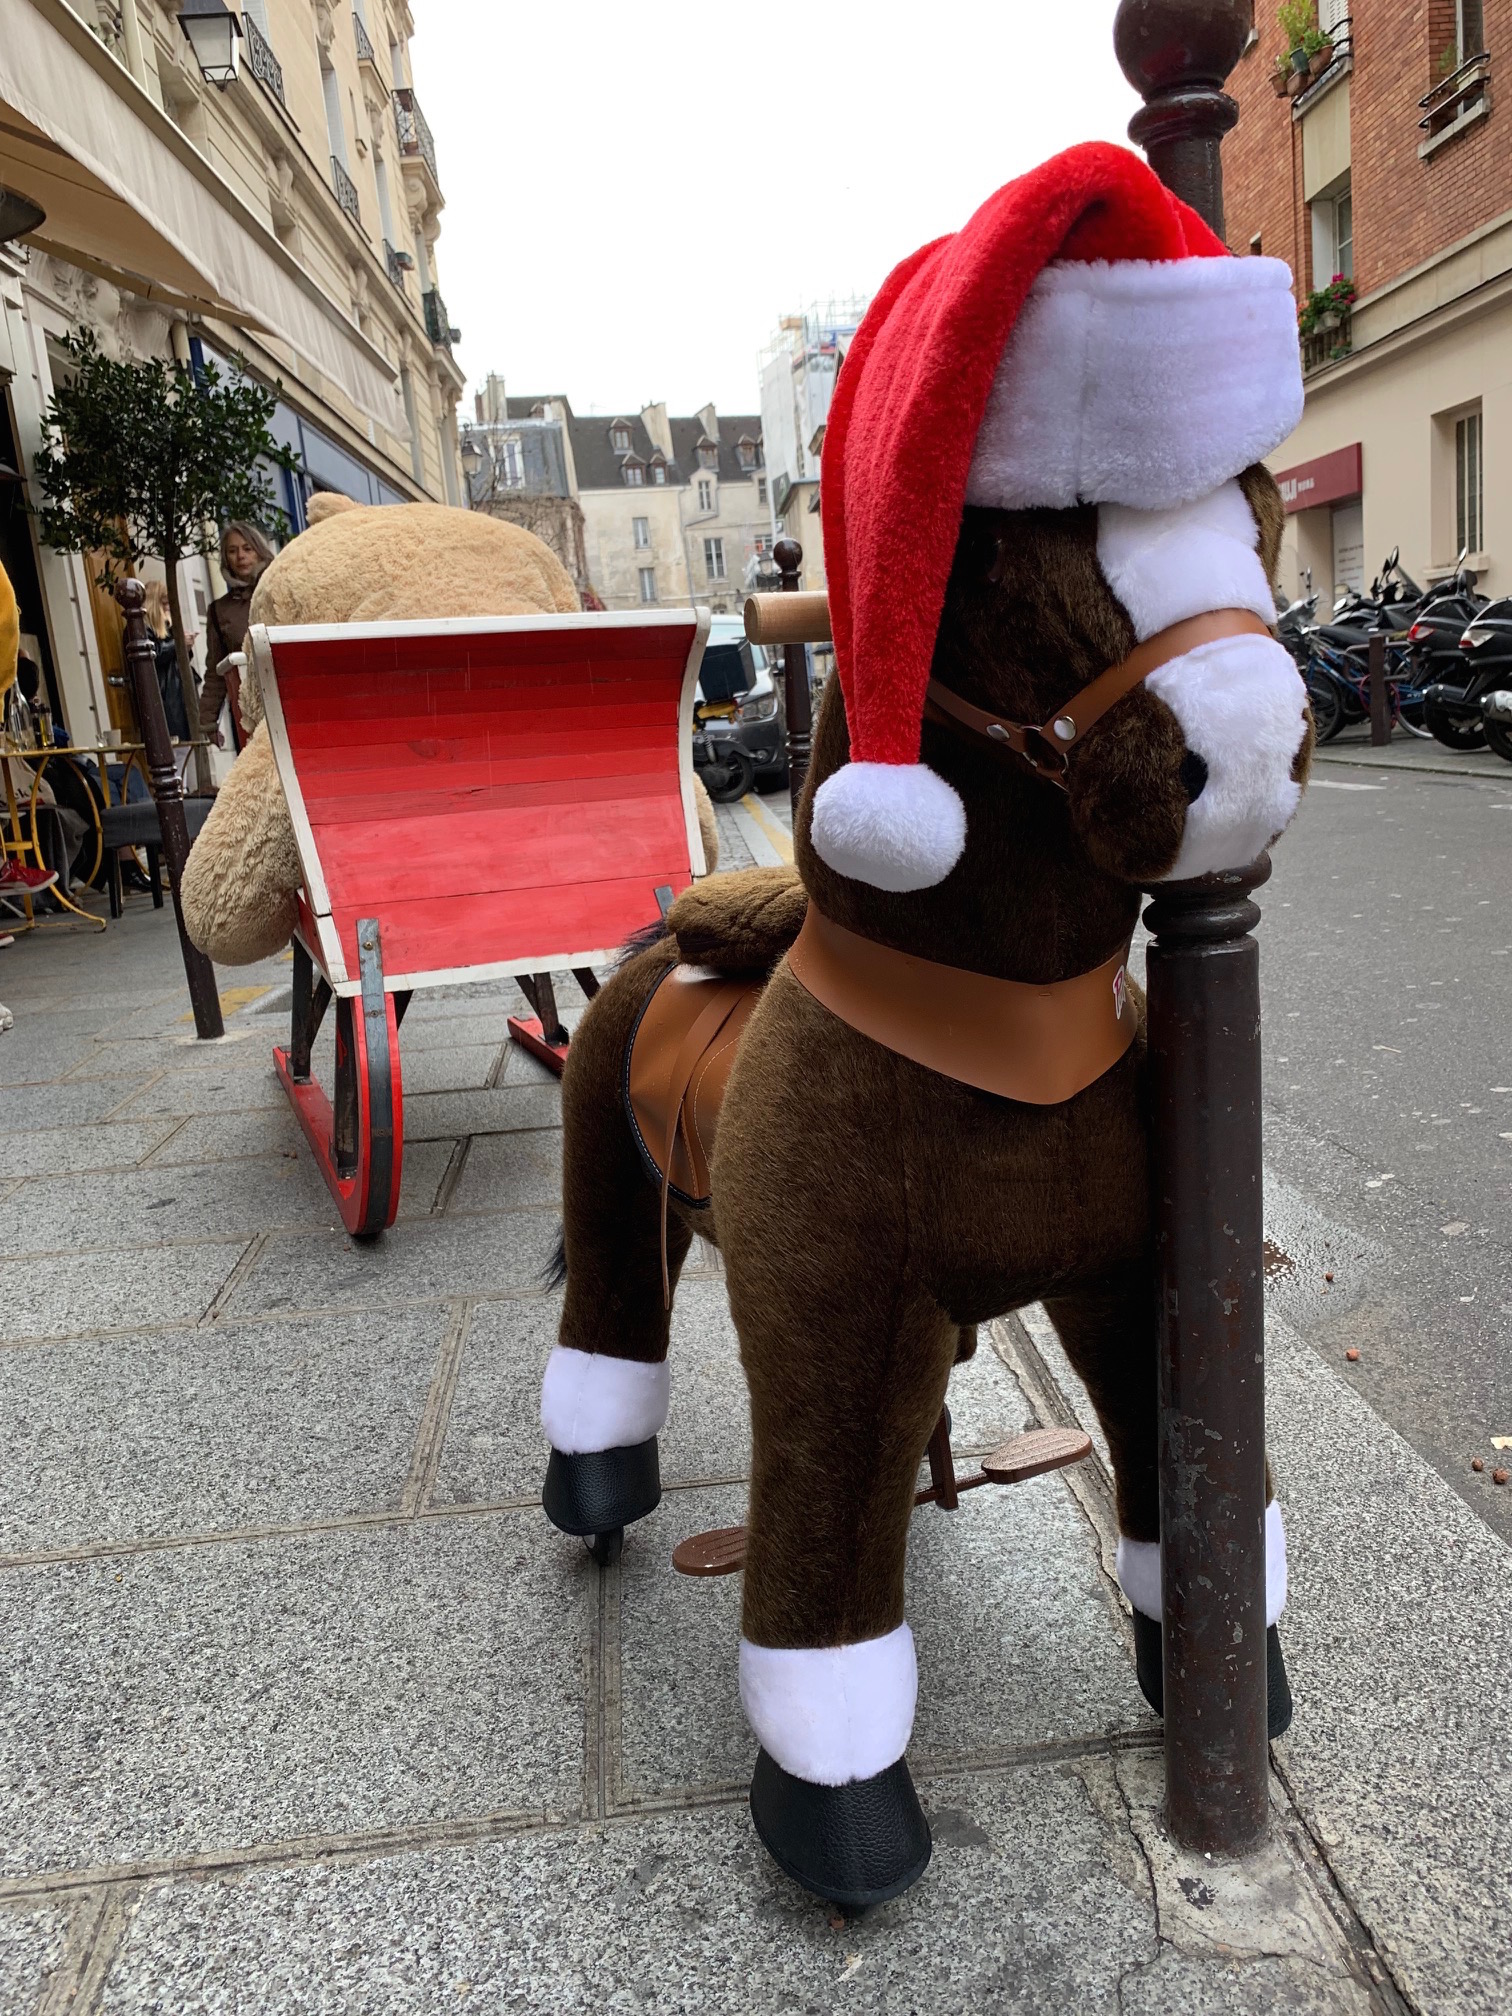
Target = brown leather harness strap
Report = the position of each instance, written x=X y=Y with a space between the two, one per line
x=1037 y=1044
x=702 y=1031
x=1044 y=748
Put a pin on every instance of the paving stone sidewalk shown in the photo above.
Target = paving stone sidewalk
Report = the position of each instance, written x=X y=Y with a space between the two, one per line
x=305 y=1708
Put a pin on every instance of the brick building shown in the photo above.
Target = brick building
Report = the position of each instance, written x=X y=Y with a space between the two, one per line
x=1390 y=162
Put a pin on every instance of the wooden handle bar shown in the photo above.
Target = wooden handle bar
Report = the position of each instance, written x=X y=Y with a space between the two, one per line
x=788 y=619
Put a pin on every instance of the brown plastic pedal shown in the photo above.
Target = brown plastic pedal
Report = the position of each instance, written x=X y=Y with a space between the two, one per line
x=721 y=1552
x=1031 y=1454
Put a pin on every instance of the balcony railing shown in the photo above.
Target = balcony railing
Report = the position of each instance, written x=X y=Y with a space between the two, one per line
x=437 y=322
x=261 y=61
x=1461 y=98
x=364 y=42
x=414 y=135
x=398 y=263
x=1327 y=346
x=346 y=191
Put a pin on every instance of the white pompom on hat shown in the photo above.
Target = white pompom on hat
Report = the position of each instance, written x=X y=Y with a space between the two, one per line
x=1085 y=338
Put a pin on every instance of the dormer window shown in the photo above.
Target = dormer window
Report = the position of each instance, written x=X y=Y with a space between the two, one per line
x=619 y=438
x=745 y=452
x=708 y=454
x=633 y=470
x=658 y=472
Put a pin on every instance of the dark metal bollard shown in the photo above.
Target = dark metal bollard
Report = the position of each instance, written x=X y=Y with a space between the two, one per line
x=795 y=678
x=1204 y=1033
x=1203 y=971
x=168 y=796
x=1380 y=706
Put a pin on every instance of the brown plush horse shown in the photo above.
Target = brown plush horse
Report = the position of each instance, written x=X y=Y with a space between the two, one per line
x=874 y=1198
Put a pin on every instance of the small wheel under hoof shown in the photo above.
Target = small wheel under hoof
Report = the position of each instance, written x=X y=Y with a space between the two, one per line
x=606 y=1548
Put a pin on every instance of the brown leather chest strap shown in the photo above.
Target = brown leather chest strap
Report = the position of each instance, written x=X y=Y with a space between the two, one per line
x=1037 y=1044
x=1045 y=747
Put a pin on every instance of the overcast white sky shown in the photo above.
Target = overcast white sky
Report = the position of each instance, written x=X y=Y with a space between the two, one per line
x=635 y=193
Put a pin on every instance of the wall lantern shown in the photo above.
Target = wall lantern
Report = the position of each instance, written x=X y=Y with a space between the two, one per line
x=214 y=34
x=18 y=215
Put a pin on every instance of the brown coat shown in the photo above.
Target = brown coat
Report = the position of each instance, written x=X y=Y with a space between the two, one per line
x=225 y=632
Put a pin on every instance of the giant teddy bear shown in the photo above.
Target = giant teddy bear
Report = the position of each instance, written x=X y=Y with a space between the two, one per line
x=1049 y=541
x=355 y=564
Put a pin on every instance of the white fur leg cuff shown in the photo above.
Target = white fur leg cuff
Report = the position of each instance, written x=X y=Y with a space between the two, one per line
x=591 y=1402
x=891 y=825
x=1139 y=1569
x=835 y=1714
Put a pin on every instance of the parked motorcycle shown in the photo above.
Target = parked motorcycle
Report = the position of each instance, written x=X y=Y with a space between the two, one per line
x=726 y=769
x=1434 y=639
x=1487 y=644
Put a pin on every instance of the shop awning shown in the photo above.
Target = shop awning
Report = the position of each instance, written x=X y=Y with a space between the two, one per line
x=128 y=197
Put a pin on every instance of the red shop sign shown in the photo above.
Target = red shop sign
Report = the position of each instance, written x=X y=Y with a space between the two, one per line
x=1325 y=480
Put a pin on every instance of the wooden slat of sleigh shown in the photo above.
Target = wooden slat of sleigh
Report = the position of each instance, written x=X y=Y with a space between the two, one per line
x=524 y=800
x=513 y=927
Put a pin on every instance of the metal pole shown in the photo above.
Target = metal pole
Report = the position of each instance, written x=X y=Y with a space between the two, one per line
x=797 y=698
x=1380 y=710
x=168 y=796
x=1204 y=1037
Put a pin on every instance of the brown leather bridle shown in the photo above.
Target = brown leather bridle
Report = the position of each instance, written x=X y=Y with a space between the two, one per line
x=1045 y=747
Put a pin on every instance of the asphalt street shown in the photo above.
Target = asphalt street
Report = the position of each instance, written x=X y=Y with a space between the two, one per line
x=1386 y=980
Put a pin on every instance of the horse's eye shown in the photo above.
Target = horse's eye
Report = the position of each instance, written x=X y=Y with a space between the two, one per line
x=1193 y=774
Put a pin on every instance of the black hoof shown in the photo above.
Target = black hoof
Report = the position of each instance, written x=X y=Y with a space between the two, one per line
x=853 y=1845
x=1151 y=1673
x=593 y=1494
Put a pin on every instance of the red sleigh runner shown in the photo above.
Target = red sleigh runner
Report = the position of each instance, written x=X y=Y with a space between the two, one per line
x=474 y=799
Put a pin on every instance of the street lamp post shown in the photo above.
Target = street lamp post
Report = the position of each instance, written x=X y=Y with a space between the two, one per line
x=1204 y=1049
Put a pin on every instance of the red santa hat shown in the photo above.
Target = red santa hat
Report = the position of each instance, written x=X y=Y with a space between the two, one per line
x=1085 y=338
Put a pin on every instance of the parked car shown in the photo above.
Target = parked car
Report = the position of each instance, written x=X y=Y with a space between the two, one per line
x=740 y=683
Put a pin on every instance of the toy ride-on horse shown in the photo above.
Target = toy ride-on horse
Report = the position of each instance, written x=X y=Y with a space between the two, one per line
x=1049 y=545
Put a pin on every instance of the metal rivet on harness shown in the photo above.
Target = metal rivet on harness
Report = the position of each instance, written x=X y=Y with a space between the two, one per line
x=997 y=731
x=1065 y=728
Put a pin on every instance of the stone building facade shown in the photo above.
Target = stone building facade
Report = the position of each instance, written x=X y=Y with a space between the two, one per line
x=1392 y=165
x=286 y=215
x=670 y=508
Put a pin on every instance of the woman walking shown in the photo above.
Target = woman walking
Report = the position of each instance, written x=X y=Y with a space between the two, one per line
x=244 y=553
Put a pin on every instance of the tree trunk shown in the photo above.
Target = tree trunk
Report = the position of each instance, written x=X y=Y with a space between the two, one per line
x=202 y=778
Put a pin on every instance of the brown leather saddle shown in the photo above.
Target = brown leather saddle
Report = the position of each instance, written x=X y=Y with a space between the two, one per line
x=677 y=1064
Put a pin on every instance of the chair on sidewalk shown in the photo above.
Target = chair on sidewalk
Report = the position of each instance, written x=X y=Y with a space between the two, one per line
x=135 y=824
x=472 y=799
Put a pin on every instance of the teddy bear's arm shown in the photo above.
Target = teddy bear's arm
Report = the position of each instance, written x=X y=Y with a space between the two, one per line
x=243 y=871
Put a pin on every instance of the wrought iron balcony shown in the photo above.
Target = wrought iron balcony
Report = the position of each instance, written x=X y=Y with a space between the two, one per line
x=415 y=141
x=364 y=42
x=346 y=191
x=437 y=322
x=261 y=61
x=398 y=263
x=1326 y=346
x=1458 y=101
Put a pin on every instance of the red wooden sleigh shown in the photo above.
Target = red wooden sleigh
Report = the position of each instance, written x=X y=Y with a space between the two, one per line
x=473 y=799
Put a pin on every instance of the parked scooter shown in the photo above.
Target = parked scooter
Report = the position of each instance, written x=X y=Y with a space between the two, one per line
x=1451 y=715
x=1487 y=644
x=726 y=769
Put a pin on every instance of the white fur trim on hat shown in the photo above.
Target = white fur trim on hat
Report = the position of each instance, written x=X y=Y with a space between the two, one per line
x=591 y=1402
x=893 y=825
x=1241 y=706
x=1139 y=1569
x=834 y=1714
x=1167 y=565
x=1144 y=382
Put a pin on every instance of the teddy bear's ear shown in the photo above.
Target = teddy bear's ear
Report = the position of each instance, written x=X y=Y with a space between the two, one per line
x=325 y=504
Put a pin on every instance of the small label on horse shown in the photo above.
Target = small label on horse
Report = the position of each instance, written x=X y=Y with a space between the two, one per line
x=1118 y=993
